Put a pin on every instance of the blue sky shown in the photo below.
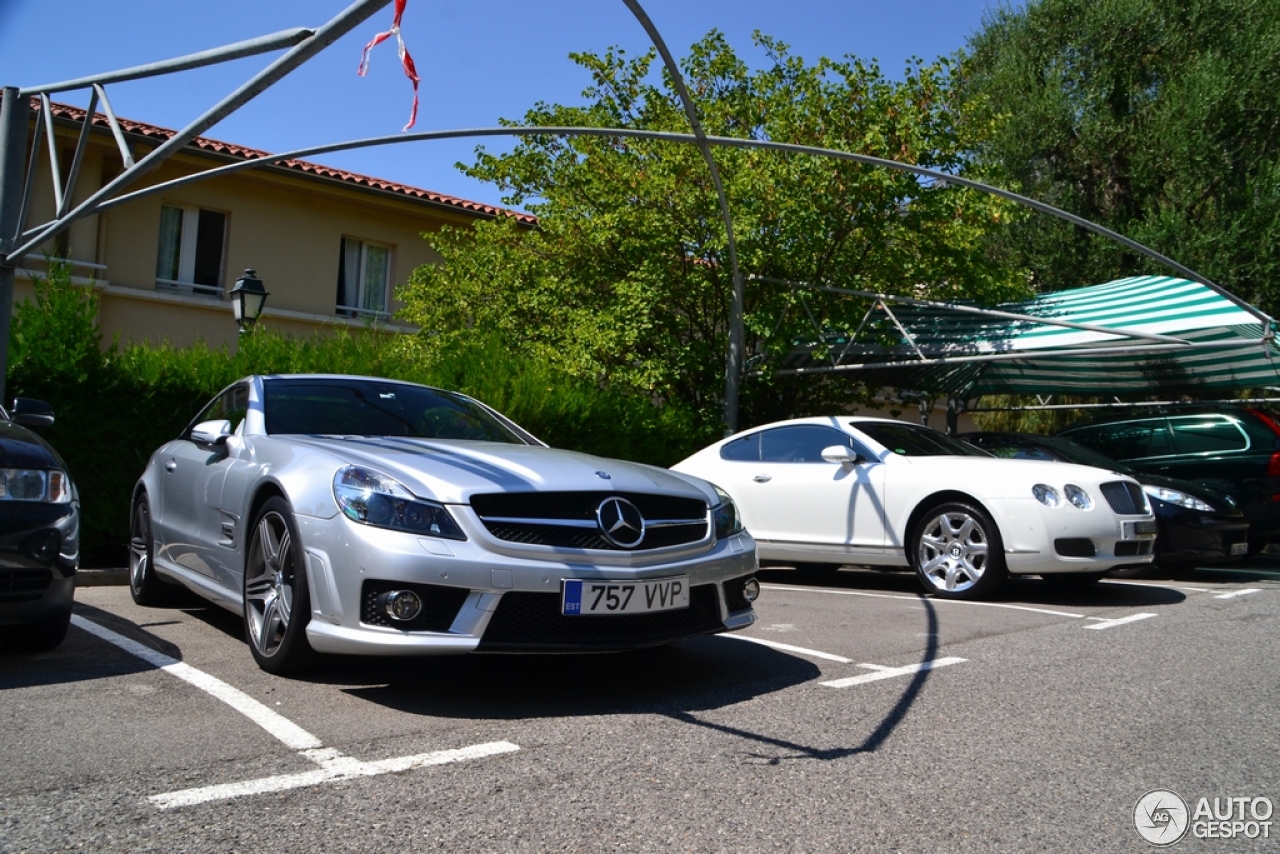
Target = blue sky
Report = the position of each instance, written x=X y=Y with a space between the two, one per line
x=478 y=61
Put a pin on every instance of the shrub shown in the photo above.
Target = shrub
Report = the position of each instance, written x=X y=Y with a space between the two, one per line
x=116 y=406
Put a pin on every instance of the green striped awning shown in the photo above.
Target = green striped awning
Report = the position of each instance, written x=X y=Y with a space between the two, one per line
x=1135 y=336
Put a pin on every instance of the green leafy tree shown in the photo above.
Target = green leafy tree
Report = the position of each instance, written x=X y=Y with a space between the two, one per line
x=1157 y=119
x=626 y=281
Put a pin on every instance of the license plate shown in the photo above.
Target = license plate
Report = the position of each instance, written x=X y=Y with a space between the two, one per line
x=1140 y=530
x=1239 y=548
x=624 y=597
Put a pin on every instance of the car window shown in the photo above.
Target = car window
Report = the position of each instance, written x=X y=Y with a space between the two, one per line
x=1015 y=452
x=911 y=440
x=801 y=443
x=742 y=449
x=1207 y=434
x=231 y=405
x=359 y=407
x=1127 y=440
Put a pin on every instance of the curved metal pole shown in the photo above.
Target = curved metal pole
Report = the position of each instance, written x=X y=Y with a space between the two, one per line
x=320 y=38
x=737 y=303
x=728 y=142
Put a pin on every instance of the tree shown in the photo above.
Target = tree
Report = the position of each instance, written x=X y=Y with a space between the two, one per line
x=1157 y=119
x=626 y=281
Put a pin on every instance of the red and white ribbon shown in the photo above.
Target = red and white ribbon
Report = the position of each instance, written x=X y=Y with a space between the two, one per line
x=405 y=59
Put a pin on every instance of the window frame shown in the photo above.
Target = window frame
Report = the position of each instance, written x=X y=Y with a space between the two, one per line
x=188 y=255
x=359 y=291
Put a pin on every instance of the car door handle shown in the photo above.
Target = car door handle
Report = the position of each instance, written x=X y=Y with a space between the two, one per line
x=171 y=466
x=762 y=478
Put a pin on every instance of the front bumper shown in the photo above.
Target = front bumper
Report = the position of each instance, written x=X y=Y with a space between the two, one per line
x=1040 y=540
x=488 y=595
x=1192 y=536
x=39 y=556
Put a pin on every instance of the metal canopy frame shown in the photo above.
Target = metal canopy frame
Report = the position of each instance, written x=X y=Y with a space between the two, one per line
x=302 y=44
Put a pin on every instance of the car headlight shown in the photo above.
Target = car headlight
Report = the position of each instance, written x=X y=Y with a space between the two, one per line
x=1046 y=495
x=1077 y=496
x=49 y=487
x=728 y=522
x=1182 y=499
x=371 y=498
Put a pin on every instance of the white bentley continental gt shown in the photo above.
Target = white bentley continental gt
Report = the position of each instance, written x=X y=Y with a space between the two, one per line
x=344 y=514
x=874 y=492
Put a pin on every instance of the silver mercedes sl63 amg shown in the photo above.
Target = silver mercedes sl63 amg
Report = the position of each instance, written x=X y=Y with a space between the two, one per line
x=345 y=514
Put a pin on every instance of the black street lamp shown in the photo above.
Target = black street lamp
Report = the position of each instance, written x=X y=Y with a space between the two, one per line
x=248 y=296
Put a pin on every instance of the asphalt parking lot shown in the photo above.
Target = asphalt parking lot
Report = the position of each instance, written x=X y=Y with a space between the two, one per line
x=855 y=715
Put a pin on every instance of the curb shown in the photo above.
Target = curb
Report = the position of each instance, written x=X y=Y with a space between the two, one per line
x=102 y=577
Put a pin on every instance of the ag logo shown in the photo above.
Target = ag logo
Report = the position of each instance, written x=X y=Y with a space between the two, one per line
x=1161 y=817
x=620 y=522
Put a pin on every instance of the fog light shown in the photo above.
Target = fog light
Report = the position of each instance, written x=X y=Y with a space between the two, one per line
x=402 y=605
x=751 y=590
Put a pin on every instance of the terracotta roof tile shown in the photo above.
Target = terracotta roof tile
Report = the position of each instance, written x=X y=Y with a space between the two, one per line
x=239 y=151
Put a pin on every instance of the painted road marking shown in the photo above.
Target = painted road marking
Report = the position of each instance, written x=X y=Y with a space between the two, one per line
x=1233 y=594
x=333 y=764
x=1106 y=624
x=798 y=650
x=284 y=730
x=882 y=672
x=922 y=598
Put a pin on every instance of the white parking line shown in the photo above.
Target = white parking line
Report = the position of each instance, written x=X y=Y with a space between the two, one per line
x=1234 y=593
x=882 y=672
x=292 y=735
x=798 y=650
x=1106 y=624
x=333 y=764
x=918 y=599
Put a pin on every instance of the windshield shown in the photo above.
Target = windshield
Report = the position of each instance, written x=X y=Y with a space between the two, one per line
x=1074 y=452
x=368 y=407
x=910 y=440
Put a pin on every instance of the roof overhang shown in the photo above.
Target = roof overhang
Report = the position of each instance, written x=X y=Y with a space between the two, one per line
x=1137 y=336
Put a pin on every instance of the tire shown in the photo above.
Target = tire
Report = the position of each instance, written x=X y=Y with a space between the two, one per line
x=277 y=604
x=40 y=636
x=957 y=553
x=1073 y=579
x=145 y=586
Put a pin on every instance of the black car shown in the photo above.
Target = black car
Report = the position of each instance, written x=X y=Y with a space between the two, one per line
x=39 y=532
x=1199 y=526
x=1229 y=447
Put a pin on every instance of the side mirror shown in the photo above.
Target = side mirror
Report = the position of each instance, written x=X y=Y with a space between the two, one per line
x=211 y=432
x=31 y=413
x=842 y=454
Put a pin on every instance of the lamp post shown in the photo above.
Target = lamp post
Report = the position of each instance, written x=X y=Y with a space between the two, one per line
x=248 y=296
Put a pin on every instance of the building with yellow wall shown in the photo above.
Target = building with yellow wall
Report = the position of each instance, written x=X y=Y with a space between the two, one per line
x=331 y=246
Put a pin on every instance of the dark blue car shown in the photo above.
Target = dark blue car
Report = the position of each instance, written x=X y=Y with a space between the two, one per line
x=39 y=532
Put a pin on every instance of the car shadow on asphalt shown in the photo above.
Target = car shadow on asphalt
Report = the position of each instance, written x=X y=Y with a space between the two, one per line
x=676 y=681
x=694 y=674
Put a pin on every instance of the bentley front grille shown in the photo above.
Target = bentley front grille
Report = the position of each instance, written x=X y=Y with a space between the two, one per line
x=1126 y=499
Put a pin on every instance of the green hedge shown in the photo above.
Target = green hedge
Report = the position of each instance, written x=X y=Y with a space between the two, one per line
x=115 y=405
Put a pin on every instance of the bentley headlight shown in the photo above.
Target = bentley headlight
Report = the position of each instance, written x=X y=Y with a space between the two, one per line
x=728 y=522
x=371 y=498
x=48 y=487
x=1077 y=496
x=1174 y=496
x=1046 y=495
